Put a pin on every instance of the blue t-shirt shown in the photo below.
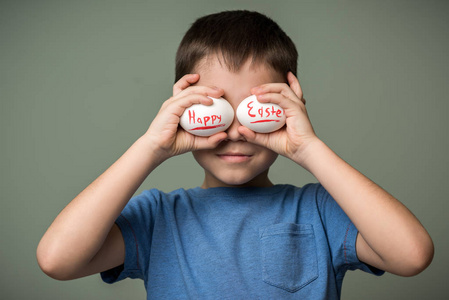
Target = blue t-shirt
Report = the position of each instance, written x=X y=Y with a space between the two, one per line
x=279 y=242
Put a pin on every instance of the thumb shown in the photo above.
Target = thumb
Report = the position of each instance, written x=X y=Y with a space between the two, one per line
x=253 y=137
x=211 y=142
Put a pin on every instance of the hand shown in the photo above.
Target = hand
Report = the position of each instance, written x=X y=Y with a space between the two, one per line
x=291 y=140
x=164 y=131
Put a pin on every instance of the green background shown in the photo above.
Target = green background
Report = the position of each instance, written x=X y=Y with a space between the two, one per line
x=80 y=81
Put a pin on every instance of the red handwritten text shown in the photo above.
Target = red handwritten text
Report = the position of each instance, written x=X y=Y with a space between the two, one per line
x=212 y=119
x=264 y=113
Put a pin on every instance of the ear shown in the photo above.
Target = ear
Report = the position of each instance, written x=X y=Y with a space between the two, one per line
x=293 y=82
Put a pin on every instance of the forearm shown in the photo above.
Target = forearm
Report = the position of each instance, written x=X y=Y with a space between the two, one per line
x=80 y=230
x=390 y=237
x=83 y=239
x=387 y=226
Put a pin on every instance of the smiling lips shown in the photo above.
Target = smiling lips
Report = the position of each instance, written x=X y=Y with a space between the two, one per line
x=234 y=157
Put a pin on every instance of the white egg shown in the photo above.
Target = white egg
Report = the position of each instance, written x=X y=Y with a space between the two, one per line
x=204 y=120
x=260 y=117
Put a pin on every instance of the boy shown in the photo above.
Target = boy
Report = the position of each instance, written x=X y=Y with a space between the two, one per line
x=237 y=236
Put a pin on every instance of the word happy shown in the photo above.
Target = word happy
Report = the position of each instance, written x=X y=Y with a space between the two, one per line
x=208 y=121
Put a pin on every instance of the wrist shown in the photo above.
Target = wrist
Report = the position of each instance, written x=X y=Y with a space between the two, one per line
x=321 y=161
x=308 y=154
x=151 y=150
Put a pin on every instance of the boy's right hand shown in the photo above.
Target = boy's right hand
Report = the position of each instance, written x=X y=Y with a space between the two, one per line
x=164 y=132
x=71 y=249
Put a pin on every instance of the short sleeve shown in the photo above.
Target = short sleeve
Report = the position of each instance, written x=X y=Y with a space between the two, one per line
x=342 y=235
x=135 y=225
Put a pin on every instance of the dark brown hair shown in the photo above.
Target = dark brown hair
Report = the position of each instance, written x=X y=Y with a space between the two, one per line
x=235 y=36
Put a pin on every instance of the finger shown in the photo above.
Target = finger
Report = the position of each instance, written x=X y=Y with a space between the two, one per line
x=253 y=137
x=291 y=90
x=276 y=98
x=202 y=91
x=279 y=88
x=185 y=82
x=279 y=99
x=212 y=91
x=211 y=142
x=247 y=133
x=177 y=106
x=269 y=87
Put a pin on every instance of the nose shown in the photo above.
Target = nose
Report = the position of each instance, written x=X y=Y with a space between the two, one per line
x=233 y=133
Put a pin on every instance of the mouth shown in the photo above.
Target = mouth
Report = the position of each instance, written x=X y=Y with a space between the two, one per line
x=234 y=157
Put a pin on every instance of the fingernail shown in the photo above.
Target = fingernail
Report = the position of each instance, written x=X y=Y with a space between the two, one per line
x=261 y=97
x=256 y=90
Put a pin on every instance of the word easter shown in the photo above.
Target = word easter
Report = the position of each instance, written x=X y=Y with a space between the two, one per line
x=269 y=111
x=260 y=117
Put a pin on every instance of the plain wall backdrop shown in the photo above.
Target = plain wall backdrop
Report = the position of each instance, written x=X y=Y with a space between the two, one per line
x=80 y=81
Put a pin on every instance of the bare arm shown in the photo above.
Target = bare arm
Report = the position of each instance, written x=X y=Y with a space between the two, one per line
x=71 y=244
x=83 y=239
x=390 y=237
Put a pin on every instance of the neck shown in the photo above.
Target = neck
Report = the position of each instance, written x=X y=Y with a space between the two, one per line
x=260 y=180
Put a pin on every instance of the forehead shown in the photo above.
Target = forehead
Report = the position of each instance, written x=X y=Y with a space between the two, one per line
x=213 y=71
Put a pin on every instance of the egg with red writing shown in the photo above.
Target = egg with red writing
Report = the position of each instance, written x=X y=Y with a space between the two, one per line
x=206 y=120
x=260 y=117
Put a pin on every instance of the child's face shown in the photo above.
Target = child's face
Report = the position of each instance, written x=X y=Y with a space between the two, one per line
x=235 y=162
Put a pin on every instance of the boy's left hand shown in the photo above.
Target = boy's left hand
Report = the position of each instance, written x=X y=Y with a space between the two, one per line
x=389 y=238
x=291 y=140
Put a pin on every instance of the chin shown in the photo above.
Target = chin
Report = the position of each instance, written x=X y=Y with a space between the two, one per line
x=261 y=180
x=238 y=183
